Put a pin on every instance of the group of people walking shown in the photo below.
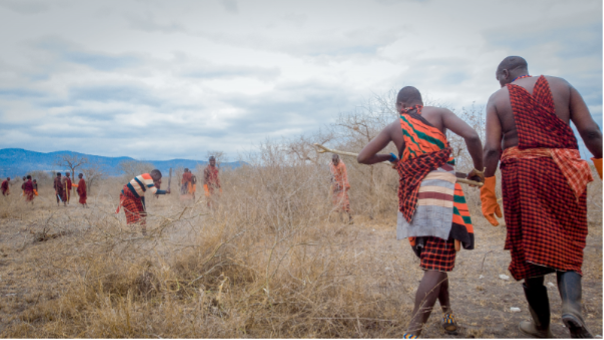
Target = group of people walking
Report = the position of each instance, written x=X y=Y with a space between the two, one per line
x=63 y=187
x=29 y=188
x=544 y=182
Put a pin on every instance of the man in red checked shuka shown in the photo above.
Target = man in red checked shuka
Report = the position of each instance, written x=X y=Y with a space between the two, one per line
x=28 y=190
x=544 y=183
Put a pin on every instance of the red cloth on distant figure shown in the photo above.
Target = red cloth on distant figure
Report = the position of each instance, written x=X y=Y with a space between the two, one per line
x=4 y=187
x=60 y=189
x=82 y=191
x=340 y=186
x=133 y=206
x=28 y=190
x=210 y=178
x=546 y=221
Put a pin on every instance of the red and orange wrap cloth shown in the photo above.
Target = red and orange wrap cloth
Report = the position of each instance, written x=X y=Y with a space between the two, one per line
x=598 y=165
x=490 y=207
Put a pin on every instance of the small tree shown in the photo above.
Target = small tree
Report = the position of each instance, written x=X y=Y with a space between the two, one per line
x=134 y=168
x=93 y=173
x=72 y=162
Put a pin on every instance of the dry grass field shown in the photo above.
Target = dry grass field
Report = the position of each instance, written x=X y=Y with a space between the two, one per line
x=272 y=260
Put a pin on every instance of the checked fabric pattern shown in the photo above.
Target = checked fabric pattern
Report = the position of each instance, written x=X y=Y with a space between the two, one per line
x=412 y=172
x=546 y=221
x=133 y=207
x=438 y=254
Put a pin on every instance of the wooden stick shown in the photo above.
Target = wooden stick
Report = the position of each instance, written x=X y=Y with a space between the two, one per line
x=323 y=149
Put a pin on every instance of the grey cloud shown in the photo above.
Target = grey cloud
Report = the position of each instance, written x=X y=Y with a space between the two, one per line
x=25 y=6
x=230 y=5
x=146 y=22
x=115 y=93
x=210 y=71
x=72 y=53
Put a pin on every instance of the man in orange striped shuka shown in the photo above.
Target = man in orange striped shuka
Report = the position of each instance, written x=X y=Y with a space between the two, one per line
x=544 y=185
x=340 y=186
x=132 y=197
x=432 y=209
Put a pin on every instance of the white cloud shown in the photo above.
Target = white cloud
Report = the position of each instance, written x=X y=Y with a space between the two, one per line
x=176 y=79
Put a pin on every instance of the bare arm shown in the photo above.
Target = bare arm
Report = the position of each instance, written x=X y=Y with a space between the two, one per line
x=369 y=154
x=492 y=148
x=465 y=131
x=587 y=127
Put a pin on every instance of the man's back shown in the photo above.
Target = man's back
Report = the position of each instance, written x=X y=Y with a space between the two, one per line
x=567 y=105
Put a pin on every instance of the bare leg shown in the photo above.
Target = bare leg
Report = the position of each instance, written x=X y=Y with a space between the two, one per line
x=428 y=291
x=443 y=297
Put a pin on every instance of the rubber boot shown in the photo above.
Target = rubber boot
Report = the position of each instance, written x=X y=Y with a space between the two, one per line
x=569 y=285
x=539 y=307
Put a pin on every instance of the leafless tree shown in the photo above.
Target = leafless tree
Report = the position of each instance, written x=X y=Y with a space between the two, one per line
x=72 y=162
x=134 y=168
x=93 y=173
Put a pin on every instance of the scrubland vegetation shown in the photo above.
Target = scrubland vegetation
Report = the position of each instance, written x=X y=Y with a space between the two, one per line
x=271 y=260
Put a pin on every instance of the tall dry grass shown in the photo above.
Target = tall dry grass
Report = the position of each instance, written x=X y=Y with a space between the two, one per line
x=272 y=259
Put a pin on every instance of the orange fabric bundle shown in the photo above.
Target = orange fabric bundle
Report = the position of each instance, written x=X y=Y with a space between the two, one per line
x=598 y=165
x=490 y=207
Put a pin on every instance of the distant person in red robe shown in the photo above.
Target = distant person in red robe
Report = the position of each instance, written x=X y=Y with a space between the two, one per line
x=5 y=188
x=28 y=190
x=340 y=186
x=211 y=182
x=68 y=185
x=186 y=180
x=81 y=190
x=59 y=189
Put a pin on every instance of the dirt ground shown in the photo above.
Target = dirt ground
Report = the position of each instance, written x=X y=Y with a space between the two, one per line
x=32 y=272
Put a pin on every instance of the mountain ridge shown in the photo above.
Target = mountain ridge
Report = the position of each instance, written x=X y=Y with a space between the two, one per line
x=18 y=162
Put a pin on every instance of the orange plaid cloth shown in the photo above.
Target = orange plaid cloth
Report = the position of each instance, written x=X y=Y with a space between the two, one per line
x=575 y=170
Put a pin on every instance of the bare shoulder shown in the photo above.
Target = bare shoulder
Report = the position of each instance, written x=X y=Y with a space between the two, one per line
x=558 y=84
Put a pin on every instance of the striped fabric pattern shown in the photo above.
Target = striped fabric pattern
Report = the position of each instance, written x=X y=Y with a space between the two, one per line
x=420 y=136
x=139 y=185
x=434 y=209
x=440 y=209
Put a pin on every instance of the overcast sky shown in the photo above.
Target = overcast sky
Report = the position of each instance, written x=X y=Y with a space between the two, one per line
x=173 y=79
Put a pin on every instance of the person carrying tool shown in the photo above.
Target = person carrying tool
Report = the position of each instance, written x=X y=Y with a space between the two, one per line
x=340 y=186
x=59 y=190
x=432 y=209
x=544 y=182
x=211 y=182
x=68 y=184
x=132 y=197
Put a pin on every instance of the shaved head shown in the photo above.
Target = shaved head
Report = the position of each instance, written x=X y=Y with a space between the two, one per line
x=155 y=174
x=512 y=63
x=511 y=68
x=408 y=96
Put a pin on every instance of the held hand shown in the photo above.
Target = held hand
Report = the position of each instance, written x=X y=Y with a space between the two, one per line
x=476 y=175
x=490 y=207
x=168 y=191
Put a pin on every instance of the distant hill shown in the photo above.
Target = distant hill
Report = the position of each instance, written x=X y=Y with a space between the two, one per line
x=18 y=162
